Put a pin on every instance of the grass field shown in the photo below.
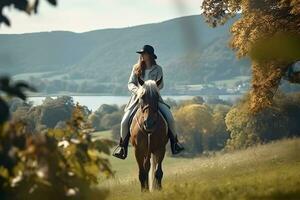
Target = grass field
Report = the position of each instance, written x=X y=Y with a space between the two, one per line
x=270 y=171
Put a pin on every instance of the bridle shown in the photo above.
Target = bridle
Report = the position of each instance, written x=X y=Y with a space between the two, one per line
x=143 y=109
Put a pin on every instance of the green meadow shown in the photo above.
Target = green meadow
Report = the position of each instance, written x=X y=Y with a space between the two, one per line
x=269 y=171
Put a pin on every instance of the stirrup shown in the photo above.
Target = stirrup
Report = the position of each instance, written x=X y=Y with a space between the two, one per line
x=176 y=148
x=120 y=152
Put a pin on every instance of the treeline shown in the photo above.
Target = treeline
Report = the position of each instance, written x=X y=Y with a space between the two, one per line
x=203 y=125
x=214 y=124
x=54 y=112
x=67 y=83
x=211 y=127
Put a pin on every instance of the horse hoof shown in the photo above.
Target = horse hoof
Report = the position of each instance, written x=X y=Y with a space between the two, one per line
x=145 y=190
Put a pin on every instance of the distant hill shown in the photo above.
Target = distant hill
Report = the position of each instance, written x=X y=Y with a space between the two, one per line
x=189 y=51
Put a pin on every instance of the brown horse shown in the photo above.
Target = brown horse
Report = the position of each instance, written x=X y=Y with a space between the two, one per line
x=149 y=136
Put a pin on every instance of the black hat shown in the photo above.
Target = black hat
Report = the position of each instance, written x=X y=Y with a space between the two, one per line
x=149 y=49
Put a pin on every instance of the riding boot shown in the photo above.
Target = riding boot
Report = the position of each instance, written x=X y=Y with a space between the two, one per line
x=122 y=149
x=175 y=146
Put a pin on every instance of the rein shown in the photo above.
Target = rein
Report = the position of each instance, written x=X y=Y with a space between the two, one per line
x=138 y=122
x=144 y=131
x=148 y=136
x=140 y=127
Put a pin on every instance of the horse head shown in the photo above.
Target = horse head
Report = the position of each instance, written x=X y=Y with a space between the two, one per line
x=148 y=94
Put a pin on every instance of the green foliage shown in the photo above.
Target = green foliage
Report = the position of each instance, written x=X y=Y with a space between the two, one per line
x=57 y=164
x=53 y=111
x=216 y=140
x=239 y=126
x=202 y=126
x=107 y=109
x=94 y=119
x=217 y=12
x=50 y=114
x=267 y=32
x=106 y=117
x=80 y=150
x=282 y=46
x=194 y=100
x=115 y=130
x=214 y=100
x=109 y=120
x=275 y=122
x=64 y=163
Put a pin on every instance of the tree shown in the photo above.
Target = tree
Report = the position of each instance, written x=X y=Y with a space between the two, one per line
x=219 y=135
x=111 y=119
x=268 y=32
x=107 y=109
x=55 y=110
x=94 y=119
x=275 y=122
x=194 y=121
x=22 y=5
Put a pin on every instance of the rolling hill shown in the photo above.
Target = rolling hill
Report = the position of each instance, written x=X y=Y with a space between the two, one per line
x=188 y=49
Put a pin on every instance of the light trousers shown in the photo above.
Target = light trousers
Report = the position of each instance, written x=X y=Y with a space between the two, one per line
x=164 y=109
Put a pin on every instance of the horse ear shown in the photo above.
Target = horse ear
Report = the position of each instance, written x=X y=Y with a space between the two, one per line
x=159 y=81
x=141 y=82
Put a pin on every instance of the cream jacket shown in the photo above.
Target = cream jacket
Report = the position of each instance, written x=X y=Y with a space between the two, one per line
x=155 y=74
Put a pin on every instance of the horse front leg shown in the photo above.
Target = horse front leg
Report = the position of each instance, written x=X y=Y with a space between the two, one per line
x=158 y=177
x=143 y=177
x=147 y=166
x=143 y=172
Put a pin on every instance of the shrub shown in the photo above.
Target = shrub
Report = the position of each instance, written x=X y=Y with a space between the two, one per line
x=59 y=164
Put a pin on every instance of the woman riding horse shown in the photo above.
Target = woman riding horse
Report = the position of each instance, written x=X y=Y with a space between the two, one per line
x=145 y=69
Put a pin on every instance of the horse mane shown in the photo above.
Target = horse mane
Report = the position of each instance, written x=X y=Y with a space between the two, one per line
x=149 y=89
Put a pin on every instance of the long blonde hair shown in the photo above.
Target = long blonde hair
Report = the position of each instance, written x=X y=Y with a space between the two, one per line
x=140 y=66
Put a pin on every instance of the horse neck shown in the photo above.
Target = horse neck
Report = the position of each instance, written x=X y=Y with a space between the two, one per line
x=162 y=125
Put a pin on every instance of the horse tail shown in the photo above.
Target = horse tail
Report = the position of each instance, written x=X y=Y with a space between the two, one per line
x=151 y=175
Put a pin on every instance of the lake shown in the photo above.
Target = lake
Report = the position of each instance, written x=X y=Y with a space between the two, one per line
x=94 y=102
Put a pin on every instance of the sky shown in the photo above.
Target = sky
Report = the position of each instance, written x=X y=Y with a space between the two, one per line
x=85 y=15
